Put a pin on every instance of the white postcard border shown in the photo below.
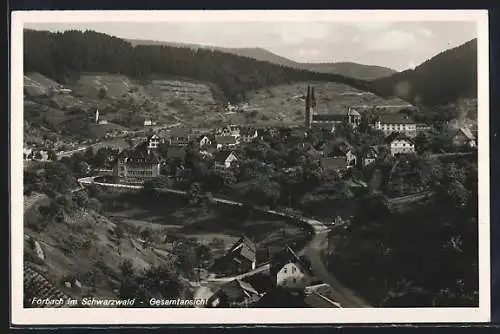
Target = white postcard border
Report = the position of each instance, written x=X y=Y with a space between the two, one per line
x=21 y=316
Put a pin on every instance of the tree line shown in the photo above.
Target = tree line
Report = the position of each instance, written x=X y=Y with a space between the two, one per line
x=64 y=55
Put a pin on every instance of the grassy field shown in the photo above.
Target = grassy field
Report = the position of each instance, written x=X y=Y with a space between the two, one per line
x=285 y=103
x=172 y=214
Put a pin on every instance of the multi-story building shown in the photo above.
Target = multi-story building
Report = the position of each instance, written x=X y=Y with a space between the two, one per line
x=395 y=122
x=153 y=142
x=136 y=166
x=179 y=137
x=399 y=143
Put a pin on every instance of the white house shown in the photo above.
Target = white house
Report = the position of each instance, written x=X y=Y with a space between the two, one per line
x=292 y=275
x=148 y=122
x=289 y=271
x=153 y=142
x=204 y=141
x=224 y=160
x=230 y=130
x=400 y=144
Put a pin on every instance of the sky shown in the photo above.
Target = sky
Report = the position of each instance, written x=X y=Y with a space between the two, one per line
x=398 y=45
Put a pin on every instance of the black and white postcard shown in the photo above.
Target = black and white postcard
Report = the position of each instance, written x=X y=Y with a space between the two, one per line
x=250 y=167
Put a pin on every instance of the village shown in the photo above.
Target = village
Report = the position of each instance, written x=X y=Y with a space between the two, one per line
x=328 y=142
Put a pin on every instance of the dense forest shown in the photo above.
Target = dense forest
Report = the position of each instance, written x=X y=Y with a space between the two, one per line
x=444 y=78
x=62 y=56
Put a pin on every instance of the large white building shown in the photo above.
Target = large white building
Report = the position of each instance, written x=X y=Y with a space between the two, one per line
x=395 y=122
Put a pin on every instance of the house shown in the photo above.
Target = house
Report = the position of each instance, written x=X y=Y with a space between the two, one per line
x=232 y=294
x=148 y=122
x=248 y=134
x=464 y=137
x=27 y=152
x=204 y=141
x=153 y=142
x=395 y=122
x=136 y=166
x=230 y=130
x=289 y=271
x=240 y=258
x=225 y=141
x=399 y=143
x=179 y=137
x=224 y=159
x=371 y=155
x=342 y=150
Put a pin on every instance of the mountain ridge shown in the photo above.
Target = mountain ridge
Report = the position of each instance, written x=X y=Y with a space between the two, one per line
x=345 y=68
x=444 y=78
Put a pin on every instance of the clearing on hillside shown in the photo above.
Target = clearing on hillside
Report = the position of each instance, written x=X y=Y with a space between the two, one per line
x=285 y=103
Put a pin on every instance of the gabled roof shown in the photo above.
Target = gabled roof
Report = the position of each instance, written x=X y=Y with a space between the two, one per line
x=397 y=136
x=221 y=156
x=245 y=248
x=328 y=117
x=467 y=133
x=153 y=136
x=287 y=255
x=248 y=131
x=353 y=112
x=394 y=118
x=333 y=163
x=374 y=149
x=139 y=156
x=200 y=137
x=179 y=132
x=237 y=290
x=225 y=140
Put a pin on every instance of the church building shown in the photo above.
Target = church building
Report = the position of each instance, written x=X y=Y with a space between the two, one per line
x=328 y=121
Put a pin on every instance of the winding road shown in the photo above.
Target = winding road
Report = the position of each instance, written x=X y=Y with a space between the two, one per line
x=313 y=250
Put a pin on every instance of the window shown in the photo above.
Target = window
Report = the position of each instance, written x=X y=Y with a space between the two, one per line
x=294 y=269
x=284 y=270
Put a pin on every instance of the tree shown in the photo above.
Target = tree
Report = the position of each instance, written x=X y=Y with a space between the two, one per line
x=102 y=93
x=194 y=193
x=58 y=177
x=52 y=155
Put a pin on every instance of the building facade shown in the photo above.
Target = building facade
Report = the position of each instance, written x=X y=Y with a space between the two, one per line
x=399 y=143
x=136 y=166
x=395 y=122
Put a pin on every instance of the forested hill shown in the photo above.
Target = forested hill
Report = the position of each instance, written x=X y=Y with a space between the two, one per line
x=444 y=78
x=347 y=69
x=63 y=56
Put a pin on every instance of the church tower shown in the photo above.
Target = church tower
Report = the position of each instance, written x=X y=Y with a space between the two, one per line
x=310 y=104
